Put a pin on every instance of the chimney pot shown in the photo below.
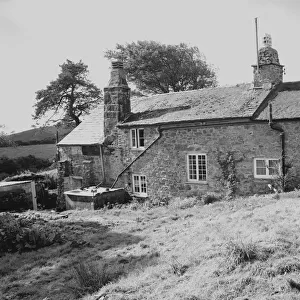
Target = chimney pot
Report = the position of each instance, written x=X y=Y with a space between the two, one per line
x=117 y=65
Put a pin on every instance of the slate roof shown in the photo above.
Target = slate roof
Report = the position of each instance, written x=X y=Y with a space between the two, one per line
x=205 y=104
x=210 y=103
x=88 y=132
x=286 y=104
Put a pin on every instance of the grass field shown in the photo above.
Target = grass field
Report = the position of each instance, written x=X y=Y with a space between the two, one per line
x=243 y=249
x=45 y=151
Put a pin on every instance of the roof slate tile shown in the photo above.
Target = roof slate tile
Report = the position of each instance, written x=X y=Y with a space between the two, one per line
x=205 y=104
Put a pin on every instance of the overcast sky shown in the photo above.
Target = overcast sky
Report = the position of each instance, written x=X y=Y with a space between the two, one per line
x=38 y=35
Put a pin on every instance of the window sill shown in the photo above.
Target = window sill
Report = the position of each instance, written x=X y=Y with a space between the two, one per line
x=139 y=195
x=197 y=182
x=137 y=149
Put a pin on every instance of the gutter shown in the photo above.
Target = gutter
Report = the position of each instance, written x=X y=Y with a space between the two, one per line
x=141 y=154
x=278 y=128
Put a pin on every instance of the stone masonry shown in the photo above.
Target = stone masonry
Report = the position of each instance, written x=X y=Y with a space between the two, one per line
x=165 y=163
x=116 y=99
x=270 y=69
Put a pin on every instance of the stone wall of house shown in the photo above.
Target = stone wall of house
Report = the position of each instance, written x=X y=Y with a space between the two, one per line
x=113 y=165
x=86 y=166
x=165 y=163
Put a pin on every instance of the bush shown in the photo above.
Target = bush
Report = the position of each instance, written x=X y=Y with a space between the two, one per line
x=9 y=229
x=89 y=278
x=211 y=198
x=20 y=234
x=15 y=200
x=30 y=162
x=37 y=236
x=50 y=182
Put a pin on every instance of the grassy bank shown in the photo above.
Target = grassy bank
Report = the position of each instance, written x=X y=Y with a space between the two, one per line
x=244 y=249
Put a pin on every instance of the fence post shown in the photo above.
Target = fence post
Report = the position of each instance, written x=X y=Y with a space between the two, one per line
x=33 y=193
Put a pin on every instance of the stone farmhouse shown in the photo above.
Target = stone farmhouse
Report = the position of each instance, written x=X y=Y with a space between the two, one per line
x=167 y=144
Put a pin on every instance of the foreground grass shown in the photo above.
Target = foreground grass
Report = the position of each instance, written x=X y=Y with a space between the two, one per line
x=244 y=249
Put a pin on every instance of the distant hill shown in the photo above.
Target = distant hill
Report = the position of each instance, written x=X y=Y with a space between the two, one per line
x=42 y=135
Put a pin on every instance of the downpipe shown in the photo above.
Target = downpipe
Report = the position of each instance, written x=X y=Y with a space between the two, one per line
x=159 y=130
x=279 y=129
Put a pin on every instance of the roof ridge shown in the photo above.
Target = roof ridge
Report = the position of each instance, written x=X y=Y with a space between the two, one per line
x=190 y=91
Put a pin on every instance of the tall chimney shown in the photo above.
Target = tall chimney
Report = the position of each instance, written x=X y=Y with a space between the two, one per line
x=270 y=71
x=116 y=98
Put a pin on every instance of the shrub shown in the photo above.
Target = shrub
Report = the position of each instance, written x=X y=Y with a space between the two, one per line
x=209 y=198
x=50 y=182
x=37 y=236
x=13 y=166
x=9 y=229
x=15 y=200
x=228 y=177
x=89 y=278
x=20 y=234
x=287 y=182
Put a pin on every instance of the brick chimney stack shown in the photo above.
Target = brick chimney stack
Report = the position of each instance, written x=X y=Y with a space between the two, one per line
x=116 y=98
x=270 y=71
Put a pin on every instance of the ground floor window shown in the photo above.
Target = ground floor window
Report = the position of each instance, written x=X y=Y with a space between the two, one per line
x=266 y=167
x=197 y=167
x=139 y=185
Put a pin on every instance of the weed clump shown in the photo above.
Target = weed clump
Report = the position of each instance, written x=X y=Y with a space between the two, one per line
x=238 y=252
x=89 y=278
x=185 y=203
x=177 y=267
x=211 y=198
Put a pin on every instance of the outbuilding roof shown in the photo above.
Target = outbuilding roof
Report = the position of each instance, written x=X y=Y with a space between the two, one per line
x=88 y=132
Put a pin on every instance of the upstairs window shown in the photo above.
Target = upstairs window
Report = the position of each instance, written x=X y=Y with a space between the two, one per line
x=266 y=167
x=91 y=150
x=137 y=138
x=139 y=185
x=197 y=167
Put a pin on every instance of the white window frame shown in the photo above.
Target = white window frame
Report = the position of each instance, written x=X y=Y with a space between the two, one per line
x=267 y=175
x=197 y=180
x=134 y=133
x=139 y=193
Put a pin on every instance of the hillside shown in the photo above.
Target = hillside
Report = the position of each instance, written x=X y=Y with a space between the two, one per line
x=40 y=135
x=47 y=151
x=243 y=249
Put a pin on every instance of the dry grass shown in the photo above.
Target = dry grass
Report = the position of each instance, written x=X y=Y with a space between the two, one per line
x=247 y=248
